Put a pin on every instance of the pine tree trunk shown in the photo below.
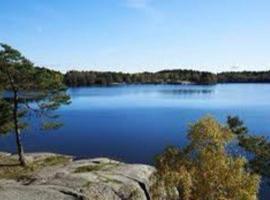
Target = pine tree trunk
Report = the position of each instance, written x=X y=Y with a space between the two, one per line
x=17 y=131
x=20 y=148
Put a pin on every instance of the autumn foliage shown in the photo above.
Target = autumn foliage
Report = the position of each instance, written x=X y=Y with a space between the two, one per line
x=204 y=170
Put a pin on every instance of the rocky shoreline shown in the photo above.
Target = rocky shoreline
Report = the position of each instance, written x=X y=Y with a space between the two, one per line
x=60 y=177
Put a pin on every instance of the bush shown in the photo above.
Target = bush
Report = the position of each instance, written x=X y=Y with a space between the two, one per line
x=203 y=169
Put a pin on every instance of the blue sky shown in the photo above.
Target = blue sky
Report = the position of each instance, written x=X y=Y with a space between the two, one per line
x=139 y=35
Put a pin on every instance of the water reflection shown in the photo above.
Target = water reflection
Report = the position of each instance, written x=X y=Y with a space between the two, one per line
x=187 y=91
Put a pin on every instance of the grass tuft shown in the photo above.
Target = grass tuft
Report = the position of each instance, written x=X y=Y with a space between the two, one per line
x=91 y=168
x=11 y=169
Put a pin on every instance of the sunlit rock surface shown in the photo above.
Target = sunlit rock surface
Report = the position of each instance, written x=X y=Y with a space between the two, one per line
x=99 y=179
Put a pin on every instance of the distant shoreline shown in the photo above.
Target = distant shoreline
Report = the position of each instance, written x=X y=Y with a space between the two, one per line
x=156 y=84
x=174 y=77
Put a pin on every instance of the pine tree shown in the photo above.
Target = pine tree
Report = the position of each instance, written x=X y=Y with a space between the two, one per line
x=27 y=90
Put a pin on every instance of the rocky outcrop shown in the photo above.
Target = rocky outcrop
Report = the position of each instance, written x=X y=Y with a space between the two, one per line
x=98 y=179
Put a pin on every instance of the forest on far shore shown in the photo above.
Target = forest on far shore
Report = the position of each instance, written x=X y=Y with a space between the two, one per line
x=89 y=78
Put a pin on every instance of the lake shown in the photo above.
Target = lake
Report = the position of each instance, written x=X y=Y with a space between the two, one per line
x=134 y=123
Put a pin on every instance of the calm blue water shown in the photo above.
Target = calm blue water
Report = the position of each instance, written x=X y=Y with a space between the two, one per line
x=134 y=123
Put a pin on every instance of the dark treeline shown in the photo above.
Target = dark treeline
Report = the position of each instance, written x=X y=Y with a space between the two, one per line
x=89 y=78
x=244 y=77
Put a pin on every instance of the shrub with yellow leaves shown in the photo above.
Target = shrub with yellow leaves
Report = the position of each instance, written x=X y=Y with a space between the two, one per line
x=204 y=170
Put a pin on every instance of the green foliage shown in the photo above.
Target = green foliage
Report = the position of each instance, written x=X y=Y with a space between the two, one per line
x=257 y=146
x=51 y=125
x=39 y=91
x=5 y=117
x=28 y=90
x=244 y=77
x=203 y=169
x=88 y=78
x=237 y=126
